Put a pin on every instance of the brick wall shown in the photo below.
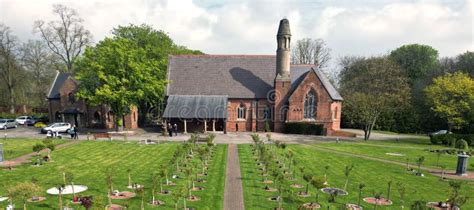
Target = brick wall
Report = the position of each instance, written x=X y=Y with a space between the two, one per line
x=254 y=115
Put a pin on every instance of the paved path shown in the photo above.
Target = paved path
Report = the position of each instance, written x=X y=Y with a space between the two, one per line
x=26 y=158
x=233 y=193
x=435 y=171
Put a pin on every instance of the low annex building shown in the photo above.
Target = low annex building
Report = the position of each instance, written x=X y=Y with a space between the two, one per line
x=246 y=92
x=63 y=106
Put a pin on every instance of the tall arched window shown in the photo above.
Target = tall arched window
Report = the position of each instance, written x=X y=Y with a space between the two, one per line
x=241 y=111
x=310 y=106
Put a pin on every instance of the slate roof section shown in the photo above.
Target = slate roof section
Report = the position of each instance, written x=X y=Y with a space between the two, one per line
x=237 y=76
x=201 y=107
x=57 y=83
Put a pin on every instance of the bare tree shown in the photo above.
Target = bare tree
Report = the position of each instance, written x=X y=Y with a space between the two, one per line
x=65 y=37
x=10 y=70
x=311 y=51
x=40 y=63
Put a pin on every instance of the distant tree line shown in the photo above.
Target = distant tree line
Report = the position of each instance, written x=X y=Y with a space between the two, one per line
x=409 y=90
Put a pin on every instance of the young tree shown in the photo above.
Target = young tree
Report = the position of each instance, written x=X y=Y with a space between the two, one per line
x=155 y=178
x=65 y=37
x=38 y=147
x=452 y=98
x=11 y=72
x=455 y=198
x=23 y=191
x=419 y=162
x=70 y=180
x=347 y=172
x=116 y=72
x=129 y=171
x=401 y=191
x=110 y=188
x=361 y=186
x=372 y=87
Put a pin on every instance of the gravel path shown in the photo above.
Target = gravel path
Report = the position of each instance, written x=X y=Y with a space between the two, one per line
x=233 y=193
x=26 y=158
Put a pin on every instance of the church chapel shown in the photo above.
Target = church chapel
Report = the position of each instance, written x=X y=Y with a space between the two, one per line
x=249 y=93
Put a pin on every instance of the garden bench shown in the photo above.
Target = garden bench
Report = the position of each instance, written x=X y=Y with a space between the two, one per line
x=102 y=135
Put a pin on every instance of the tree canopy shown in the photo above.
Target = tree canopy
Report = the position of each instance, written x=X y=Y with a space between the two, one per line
x=372 y=87
x=452 y=98
x=417 y=60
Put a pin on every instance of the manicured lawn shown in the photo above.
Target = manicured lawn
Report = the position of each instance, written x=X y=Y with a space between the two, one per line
x=375 y=175
x=14 y=148
x=411 y=149
x=88 y=161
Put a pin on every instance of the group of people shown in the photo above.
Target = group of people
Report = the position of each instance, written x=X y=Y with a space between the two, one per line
x=171 y=129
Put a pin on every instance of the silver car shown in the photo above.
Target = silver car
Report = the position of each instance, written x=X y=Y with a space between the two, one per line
x=8 y=123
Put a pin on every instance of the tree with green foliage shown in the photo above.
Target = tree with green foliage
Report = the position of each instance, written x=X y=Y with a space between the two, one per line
x=23 y=191
x=372 y=87
x=419 y=162
x=452 y=98
x=116 y=72
x=361 y=187
x=401 y=188
x=415 y=59
x=465 y=63
x=38 y=147
x=347 y=172
x=455 y=198
x=157 y=46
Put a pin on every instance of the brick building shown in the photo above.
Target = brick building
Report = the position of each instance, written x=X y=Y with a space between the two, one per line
x=63 y=106
x=245 y=92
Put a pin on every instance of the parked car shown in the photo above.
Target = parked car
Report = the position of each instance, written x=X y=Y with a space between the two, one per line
x=8 y=123
x=440 y=132
x=21 y=120
x=31 y=120
x=60 y=127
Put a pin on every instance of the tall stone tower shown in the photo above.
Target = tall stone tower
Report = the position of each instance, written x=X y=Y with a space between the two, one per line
x=282 y=79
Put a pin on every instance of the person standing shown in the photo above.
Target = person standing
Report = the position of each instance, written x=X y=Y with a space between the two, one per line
x=175 y=129
x=170 y=130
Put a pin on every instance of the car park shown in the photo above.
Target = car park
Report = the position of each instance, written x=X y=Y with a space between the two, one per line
x=8 y=123
x=60 y=127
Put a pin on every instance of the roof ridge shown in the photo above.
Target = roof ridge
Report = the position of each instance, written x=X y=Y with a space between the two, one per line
x=222 y=55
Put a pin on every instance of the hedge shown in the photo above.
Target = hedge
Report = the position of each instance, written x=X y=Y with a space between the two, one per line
x=303 y=128
x=451 y=139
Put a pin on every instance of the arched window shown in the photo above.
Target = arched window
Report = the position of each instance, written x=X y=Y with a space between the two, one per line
x=97 y=117
x=310 y=106
x=72 y=98
x=267 y=113
x=241 y=111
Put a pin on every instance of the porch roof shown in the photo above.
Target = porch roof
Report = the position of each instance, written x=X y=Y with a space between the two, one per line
x=196 y=107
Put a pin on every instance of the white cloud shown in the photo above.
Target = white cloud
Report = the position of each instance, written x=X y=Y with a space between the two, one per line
x=249 y=26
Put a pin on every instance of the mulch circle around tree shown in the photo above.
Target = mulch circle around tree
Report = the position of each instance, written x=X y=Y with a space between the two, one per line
x=379 y=202
x=170 y=183
x=296 y=186
x=269 y=189
x=278 y=208
x=201 y=175
x=165 y=192
x=351 y=206
x=438 y=205
x=267 y=182
x=311 y=205
x=156 y=203
x=36 y=199
x=197 y=188
x=123 y=195
x=274 y=198
x=115 y=207
x=201 y=180
x=193 y=198
x=303 y=194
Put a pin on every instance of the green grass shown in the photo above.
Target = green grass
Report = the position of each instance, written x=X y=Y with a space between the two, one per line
x=411 y=149
x=374 y=174
x=14 y=148
x=89 y=160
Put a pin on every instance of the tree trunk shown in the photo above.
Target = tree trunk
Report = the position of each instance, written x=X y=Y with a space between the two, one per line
x=12 y=100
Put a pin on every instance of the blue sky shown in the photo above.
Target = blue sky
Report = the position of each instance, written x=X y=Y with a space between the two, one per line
x=350 y=27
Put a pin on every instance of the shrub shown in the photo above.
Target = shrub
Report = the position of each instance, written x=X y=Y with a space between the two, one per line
x=38 y=147
x=47 y=141
x=450 y=140
x=303 y=128
x=436 y=139
x=462 y=144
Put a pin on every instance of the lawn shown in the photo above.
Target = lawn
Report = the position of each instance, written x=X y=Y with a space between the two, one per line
x=410 y=148
x=88 y=161
x=375 y=175
x=14 y=148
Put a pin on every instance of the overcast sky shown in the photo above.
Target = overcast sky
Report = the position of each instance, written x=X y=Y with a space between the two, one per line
x=350 y=27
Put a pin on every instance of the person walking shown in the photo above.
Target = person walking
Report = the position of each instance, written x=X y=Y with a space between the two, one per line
x=175 y=129
x=170 y=130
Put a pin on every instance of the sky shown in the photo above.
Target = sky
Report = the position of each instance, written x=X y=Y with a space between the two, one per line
x=349 y=27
